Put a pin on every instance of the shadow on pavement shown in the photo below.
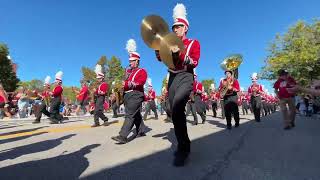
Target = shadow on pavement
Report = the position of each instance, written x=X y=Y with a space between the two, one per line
x=250 y=152
x=66 y=166
x=32 y=148
x=22 y=131
x=20 y=138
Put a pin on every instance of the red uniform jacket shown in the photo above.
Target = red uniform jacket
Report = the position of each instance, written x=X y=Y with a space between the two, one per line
x=136 y=79
x=151 y=95
x=214 y=96
x=258 y=87
x=197 y=87
x=235 y=85
x=83 y=94
x=191 y=52
x=102 y=89
x=57 y=91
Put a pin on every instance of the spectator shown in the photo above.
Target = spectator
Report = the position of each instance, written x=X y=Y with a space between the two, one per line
x=286 y=98
x=4 y=103
x=23 y=102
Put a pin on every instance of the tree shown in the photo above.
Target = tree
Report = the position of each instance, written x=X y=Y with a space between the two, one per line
x=297 y=51
x=206 y=84
x=8 y=77
x=113 y=72
x=34 y=84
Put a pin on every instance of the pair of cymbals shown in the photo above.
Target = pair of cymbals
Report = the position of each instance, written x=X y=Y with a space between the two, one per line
x=155 y=33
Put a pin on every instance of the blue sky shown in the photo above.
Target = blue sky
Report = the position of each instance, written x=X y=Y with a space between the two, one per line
x=47 y=36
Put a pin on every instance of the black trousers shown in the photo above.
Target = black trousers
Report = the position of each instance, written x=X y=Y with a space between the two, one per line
x=115 y=108
x=151 y=105
x=256 y=107
x=191 y=107
x=245 y=107
x=231 y=108
x=214 y=105
x=132 y=103
x=180 y=86
x=200 y=106
x=222 y=108
x=42 y=110
x=98 y=110
x=265 y=108
x=54 y=113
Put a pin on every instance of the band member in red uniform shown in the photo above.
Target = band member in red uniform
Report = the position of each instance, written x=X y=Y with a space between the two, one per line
x=56 y=96
x=82 y=97
x=244 y=102
x=221 y=102
x=199 y=105
x=214 y=100
x=45 y=100
x=255 y=91
x=181 y=81
x=56 y=100
x=151 y=104
x=134 y=95
x=100 y=96
x=230 y=98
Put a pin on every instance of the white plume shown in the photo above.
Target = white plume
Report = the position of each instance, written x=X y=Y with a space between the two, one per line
x=179 y=11
x=212 y=86
x=131 y=46
x=254 y=75
x=149 y=80
x=98 y=69
x=113 y=83
x=47 y=80
x=59 y=74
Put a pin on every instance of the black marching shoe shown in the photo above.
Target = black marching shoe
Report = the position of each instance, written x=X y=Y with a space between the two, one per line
x=106 y=123
x=120 y=139
x=95 y=125
x=36 y=122
x=180 y=159
x=54 y=121
x=229 y=127
x=293 y=124
x=287 y=128
x=237 y=125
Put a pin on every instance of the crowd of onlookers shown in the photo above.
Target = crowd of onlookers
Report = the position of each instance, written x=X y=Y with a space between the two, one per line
x=23 y=103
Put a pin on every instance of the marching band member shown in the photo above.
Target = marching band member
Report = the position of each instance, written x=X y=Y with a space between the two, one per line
x=244 y=102
x=45 y=98
x=221 y=102
x=82 y=97
x=134 y=95
x=100 y=96
x=150 y=105
x=198 y=103
x=180 y=81
x=230 y=98
x=214 y=100
x=255 y=91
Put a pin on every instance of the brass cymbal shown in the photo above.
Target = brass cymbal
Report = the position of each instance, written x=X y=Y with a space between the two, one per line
x=153 y=29
x=169 y=40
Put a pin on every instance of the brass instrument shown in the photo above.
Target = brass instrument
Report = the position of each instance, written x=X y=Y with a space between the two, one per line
x=230 y=63
x=155 y=33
